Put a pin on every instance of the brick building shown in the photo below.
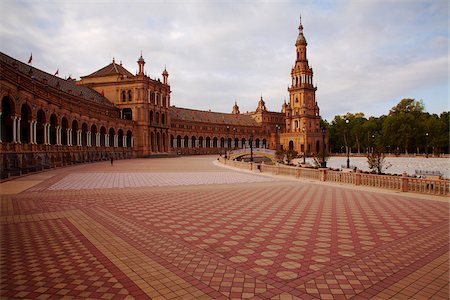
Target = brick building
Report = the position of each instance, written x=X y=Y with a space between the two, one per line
x=48 y=121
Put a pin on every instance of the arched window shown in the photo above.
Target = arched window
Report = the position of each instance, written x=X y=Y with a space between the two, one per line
x=151 y=116
x=130 y=97
x=129 y=136
x=157 y=117
x=124 y=96
x=163 y=118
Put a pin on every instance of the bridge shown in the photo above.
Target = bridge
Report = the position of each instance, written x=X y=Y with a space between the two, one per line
x=257 y=152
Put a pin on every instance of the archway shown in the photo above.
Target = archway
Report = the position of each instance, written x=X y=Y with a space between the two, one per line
x=8 y=111
x=53 y=131
x=40 y=121
x=74 y=132
x=64 y=126
x=94 y=135
x=129 y=136
x=186 y=141
x=291 y=145
x=25 y=124
x=84 y=129
x=111 y=137
x=102 y=136
x=120 y=137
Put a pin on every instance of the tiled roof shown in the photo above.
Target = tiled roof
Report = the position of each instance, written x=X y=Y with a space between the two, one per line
x=69 y=86
x=185 y=114
x=111 y=69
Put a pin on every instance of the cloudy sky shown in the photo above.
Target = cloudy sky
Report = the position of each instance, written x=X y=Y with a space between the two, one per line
x=366 y=55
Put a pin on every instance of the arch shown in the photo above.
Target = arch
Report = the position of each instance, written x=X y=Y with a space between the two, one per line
x=25 y=124
x=74 y=132
x=124 y=96
x=208 y=142
x=296 y=124
x=127 y=114
x=214 y=142
x=317 y=146
x=243 y=143
x=291 y=145
x=84 y=129
x=111 y=137
x=186 y=141
x=53 y=126
x=257 y=143
x=150 y=116
x=64 y=136
x=264 y=143
x=40 y=121
x=229 y=143
x=193 y=139
x=102 y=136
x=157 y=117
x=163 y=119
x=179 y=141
x=129 y=136
x=94 y=135
x=120 y=138
x=200 y=142
x=222 y=143
x=236 y=142
x=171 y=140
x=130 y=96
x=164 y=145
x=158 y=142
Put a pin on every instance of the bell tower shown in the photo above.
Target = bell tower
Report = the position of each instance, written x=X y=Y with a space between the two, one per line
x=302 y=112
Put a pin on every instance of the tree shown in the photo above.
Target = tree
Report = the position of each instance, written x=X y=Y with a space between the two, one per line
x=376 y=161
x=290 y=155
x=279 y=155
x=408 y=105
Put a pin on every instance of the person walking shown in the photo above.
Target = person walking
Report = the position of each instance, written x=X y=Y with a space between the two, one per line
x=112 y=160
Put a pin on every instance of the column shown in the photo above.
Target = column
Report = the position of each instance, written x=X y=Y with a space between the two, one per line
x=174 y=143
x=79 y=139
x=132 y=141
x=106 y=140
x=124 y=141
x=116 y=140
x=88 y=139
x=57 y=135
x=69 y=137
x=97 y=139
x=189 y=143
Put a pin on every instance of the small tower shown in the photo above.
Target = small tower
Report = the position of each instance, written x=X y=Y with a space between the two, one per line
x=283 y=107
x=165 y=76
x=235 y=109
x=261 y=105
x=141 y=64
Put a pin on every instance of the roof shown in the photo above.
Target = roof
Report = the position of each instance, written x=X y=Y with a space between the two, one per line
x=65 y=85
x=185 y=114
x=111 y=69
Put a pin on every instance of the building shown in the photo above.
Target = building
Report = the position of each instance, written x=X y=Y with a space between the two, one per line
x=48 y=121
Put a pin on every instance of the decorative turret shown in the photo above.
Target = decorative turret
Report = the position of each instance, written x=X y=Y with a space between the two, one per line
x=261 y=105
x=301 y=38
x=235 y=109
x=141 y=64
x=165 y=75
x=283 y=107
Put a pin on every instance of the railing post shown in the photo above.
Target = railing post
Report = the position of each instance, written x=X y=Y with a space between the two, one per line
x=357 y=178
x=404 y=182
x=323 y=174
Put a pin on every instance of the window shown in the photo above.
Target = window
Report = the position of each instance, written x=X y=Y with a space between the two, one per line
x=130 y=98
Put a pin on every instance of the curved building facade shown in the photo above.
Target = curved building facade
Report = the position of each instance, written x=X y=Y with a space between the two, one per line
x=47 y=121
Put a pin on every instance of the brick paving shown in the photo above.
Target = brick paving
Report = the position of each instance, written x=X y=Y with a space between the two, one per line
x=145 y=229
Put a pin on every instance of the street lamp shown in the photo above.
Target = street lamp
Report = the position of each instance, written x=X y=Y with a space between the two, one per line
x=324 y=163
x=373 y=142
x=426 y=145
x=346 y=144
x=276 y=138
x=251 y=147
x=304 y=145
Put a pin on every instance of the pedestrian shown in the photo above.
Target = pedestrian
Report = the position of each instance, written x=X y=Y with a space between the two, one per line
x=112 y=160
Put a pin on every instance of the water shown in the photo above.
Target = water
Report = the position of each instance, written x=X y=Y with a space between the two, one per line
x=393 y=165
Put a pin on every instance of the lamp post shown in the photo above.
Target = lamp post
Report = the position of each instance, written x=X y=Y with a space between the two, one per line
x=304 y=145
x=346 y=144
x=251 y=147
x=324 y=163
x=373 y=142
x=426 y=145
x=276 y=138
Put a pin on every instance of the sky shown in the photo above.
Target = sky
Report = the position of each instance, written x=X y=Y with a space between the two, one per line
x=366 y=55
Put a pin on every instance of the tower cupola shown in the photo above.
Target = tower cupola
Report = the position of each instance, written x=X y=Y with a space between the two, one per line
x=141 y=63
x=235 y=109
x=165 y=76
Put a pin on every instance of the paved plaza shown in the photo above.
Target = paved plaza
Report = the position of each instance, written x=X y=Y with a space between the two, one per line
x=186 y=228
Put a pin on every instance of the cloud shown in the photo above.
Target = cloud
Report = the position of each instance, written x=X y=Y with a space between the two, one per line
x=366 y=55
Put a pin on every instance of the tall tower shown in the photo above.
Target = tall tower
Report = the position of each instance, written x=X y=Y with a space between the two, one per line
x=302 y=113
x=141 y=64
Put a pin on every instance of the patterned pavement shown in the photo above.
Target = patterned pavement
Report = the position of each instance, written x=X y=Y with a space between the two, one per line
x=142 y=230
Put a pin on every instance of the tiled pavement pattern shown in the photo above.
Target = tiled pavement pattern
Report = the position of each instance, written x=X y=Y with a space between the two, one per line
x=264 y=239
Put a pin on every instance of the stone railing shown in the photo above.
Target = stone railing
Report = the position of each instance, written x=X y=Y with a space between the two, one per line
x=390 y=182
